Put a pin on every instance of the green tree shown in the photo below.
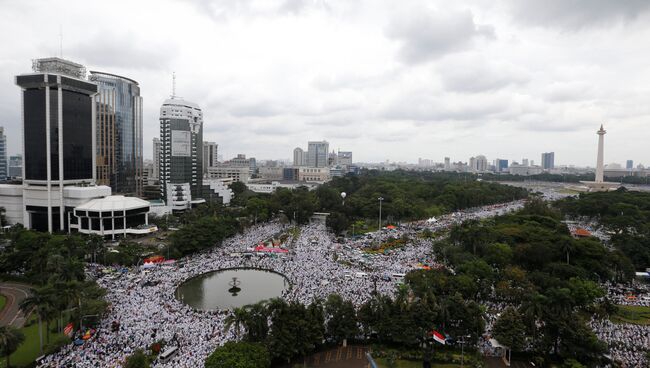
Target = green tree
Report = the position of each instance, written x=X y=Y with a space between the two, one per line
x=10 y=340
x=341 y=319
x=137 y=360
x=509 y=329
x=239 y=355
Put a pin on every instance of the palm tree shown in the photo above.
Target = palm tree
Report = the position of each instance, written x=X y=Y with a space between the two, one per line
x=237 y=317
x=10 y=339
x=36 y=303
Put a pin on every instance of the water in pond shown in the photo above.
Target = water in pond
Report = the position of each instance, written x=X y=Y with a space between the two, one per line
x=231 y=288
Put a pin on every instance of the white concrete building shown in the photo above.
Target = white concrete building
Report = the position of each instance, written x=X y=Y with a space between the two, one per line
x=111 y=216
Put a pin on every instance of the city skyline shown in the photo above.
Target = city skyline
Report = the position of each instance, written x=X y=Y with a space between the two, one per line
x=420 y=80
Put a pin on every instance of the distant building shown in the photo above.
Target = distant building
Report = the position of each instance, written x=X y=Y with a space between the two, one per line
x=332 y=159
x=271 y=173
x=501 y=165
x=119 y=133
x=524 y=162
x=524 y=170
x=345 y=158
x=548 y=160
x=629 y=164
x=4 y=167
x=447 y=163
x=317 y=152
x=15 y=166
x=298 y=157
x=314 y=174
x=209 y=156
x=237 y=173
x=478 y=163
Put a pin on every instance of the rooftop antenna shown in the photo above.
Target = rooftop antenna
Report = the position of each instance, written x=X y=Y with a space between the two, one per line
x=173 y=85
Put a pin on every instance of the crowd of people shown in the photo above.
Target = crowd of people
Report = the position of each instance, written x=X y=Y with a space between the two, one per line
x=628 y=343
x=144 y=306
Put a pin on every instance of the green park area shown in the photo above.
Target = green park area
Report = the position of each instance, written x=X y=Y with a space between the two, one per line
x=634 y=314
x=28 y=351
x=3 y=302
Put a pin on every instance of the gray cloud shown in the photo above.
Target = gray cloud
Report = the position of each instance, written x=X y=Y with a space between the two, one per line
x=425 y=34
x=122 y=50
x=475 y=74
x=576 y=14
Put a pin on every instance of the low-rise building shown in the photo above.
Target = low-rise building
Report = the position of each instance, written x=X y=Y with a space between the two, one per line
x=111 y=216
x=314 y=174
x=237 y=173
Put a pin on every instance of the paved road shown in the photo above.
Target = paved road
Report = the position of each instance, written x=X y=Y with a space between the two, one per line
x=15 y=293
x=348 y=357
x=498 y=363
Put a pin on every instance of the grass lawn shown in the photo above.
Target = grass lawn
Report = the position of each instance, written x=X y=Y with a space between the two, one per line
x=412 y=364
x=28 y=351
x=3 y=301
x=637 y=315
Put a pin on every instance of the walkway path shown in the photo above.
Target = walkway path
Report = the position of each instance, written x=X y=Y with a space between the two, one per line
x=15 y=293
x=348 y=357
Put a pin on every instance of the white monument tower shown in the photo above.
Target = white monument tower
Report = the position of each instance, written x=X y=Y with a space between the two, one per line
x=600 y=185
x=600 y=159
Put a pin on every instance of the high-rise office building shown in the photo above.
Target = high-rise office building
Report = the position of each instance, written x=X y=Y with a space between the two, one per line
x=119 y=133
x=58 y=140
x=478 y=163
x=4 y=168
x=501 y=165
x=156 y=159
x=15 y=166
x=209 y=156
x=298 y=157
x=447 y=163
x=317 y=153
x=629 y=164
x=181 y=152
x=548 y=160
x=524 y=162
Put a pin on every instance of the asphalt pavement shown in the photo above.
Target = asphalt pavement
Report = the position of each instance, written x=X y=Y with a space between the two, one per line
x=15 y=293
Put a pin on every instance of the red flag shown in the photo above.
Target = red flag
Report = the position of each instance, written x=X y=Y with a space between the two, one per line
x=438 y=337
x=68 y=329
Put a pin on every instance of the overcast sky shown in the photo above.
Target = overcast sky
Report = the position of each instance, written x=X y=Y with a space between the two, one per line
x=391 y=80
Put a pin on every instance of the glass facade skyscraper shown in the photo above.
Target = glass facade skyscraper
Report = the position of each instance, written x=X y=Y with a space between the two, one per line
x=317 y=153
x=119 y=133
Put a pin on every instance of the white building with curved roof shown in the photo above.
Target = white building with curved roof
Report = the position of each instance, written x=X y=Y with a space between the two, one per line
x=113 y=215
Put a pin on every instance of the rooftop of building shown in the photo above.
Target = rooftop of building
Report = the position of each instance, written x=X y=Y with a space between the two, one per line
x=176 y=101
x=95 y=72
x=113 y=203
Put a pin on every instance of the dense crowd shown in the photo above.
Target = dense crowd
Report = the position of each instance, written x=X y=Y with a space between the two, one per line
x=143 y=302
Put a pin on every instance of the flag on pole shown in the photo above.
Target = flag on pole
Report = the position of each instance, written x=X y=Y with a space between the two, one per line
x=68 y=329
x=438 y=337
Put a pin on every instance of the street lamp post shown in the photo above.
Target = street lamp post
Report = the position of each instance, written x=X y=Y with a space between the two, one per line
x=380 y=199
x=462 y=350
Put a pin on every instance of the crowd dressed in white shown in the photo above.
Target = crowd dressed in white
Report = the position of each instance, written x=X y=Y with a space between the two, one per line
x=147 y=310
